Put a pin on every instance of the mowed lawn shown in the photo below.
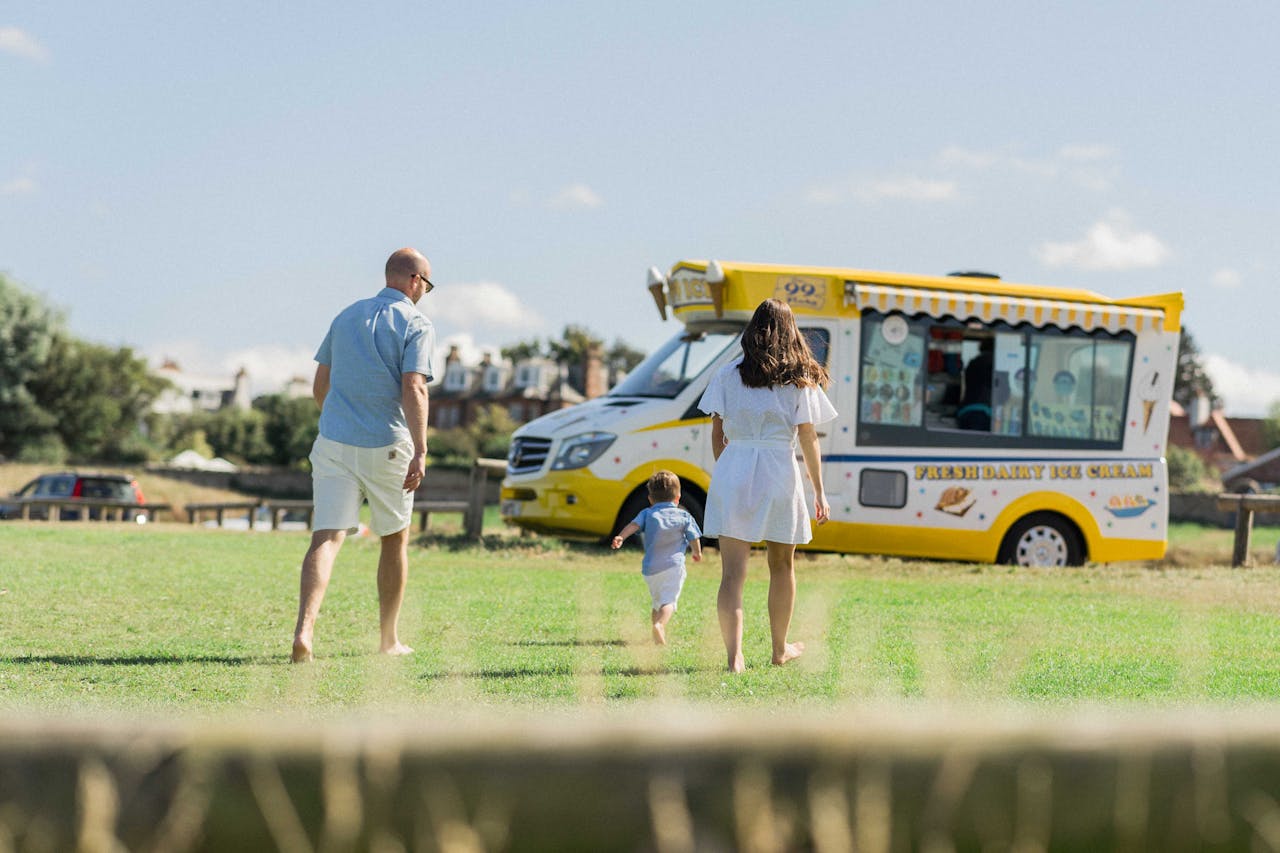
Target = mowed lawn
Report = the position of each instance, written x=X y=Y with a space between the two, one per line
x=166 y=620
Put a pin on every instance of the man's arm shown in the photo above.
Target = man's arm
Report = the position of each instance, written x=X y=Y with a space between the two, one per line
x=320 y=385
x=413 y=398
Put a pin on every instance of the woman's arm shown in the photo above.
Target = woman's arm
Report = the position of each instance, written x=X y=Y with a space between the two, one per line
x=717 y=436
x=808 y=437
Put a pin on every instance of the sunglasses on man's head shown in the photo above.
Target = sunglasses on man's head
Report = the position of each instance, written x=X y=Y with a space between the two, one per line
x=426 y=281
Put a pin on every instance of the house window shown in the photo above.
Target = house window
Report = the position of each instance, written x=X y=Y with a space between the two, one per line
x=527 y=376
x=493 y=379
x=456 y=379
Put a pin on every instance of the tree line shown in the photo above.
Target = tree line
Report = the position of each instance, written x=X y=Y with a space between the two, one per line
x=65 y=400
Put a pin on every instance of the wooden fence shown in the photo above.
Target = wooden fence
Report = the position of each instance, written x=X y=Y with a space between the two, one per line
x=1244 y=507
x=471 y=509
x=107 y=510
x=940 y=782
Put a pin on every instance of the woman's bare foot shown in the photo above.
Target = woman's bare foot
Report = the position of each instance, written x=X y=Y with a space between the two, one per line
x=737 y=666
x=397 y=649
x=302 y=651
x=790 y=652
x=659 y=634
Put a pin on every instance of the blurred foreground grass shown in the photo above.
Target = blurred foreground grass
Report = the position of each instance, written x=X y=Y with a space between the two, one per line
x=172 y=620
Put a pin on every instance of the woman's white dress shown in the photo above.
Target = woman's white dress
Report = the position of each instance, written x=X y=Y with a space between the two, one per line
x=757 y=489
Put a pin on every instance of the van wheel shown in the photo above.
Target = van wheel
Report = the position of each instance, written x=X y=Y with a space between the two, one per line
x=631 y=507
x=1042 y=540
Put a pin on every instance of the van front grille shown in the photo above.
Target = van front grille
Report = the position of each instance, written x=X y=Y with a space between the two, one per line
x=527 y=454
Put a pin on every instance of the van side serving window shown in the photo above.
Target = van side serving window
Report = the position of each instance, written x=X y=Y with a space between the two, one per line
x=926 y=381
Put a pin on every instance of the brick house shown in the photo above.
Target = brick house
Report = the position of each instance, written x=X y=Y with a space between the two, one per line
x=1223 y=443
x=526 y=390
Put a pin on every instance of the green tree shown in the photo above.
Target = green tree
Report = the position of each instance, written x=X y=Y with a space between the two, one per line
x=98 y=396
x=572 y=347
x=292 y=424
x=1271 y=426
x=27 y=331
x=1187 y=471
x=240 y=436
x=522 y=350
x=1189 y=379
x=622 y=358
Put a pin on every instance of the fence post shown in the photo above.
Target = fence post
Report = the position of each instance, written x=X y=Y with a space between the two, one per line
x=473 y=522
x=1244 y=531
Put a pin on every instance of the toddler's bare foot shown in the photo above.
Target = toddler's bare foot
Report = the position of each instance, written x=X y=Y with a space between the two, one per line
x=790 y=652
x=302 y=651
x=737 y=665
x=659 y=634
x=395 y=650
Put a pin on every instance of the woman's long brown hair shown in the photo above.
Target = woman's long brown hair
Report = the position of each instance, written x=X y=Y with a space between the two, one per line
x=775 y=353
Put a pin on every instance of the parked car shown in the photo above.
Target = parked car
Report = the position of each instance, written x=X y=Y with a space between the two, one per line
x=76 y=486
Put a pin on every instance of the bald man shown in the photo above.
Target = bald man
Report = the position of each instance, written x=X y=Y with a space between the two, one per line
x=371 y=386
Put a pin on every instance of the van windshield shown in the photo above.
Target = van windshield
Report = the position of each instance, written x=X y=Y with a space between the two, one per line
x=670 y=368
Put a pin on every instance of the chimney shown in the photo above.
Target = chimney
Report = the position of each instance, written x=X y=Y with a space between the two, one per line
x=240 y=397
x=1199 y=411
x=595 y=379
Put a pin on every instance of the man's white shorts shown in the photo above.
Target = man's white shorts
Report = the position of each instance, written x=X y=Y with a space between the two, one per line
x=342 y=474
x=665 y=586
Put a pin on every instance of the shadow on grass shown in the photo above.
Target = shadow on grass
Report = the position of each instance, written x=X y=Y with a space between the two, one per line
x=158 y=660
x=498 y=542
x=569 y=643
x=565 y=671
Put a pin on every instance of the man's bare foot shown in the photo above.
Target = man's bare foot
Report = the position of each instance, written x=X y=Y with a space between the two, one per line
x=737 y=666
x=659 y=634
x=396 y=650
x=789 y=653
x=302 y=652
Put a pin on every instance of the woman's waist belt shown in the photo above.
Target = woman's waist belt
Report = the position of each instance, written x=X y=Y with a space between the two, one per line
x=763 y=443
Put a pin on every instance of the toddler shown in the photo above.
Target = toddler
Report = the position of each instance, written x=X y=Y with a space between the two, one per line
x=666 y=530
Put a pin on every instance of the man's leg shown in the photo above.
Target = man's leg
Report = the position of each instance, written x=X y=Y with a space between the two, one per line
x=317 y=566
x=393 y=574
x=782 y=600
x=733 y=578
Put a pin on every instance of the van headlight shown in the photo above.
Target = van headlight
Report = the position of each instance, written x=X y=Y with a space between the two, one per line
x=582 y=450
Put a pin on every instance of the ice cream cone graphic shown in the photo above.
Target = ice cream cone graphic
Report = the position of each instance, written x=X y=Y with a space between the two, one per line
x=1149 y=389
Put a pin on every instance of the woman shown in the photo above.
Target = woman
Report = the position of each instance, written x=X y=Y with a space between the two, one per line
x=762 y=405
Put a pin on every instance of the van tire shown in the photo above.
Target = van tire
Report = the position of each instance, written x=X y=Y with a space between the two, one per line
x=1042 y=540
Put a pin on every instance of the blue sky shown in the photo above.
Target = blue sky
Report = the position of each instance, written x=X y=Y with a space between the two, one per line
x=213 y=181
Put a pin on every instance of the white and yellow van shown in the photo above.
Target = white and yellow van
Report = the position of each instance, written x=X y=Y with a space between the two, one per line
x=979 y=419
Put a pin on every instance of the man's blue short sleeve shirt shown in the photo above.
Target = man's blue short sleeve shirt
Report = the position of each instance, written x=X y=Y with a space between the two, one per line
x=667 y=530
x=370 y=345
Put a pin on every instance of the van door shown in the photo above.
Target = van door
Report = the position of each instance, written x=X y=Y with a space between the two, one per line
x=833 y=348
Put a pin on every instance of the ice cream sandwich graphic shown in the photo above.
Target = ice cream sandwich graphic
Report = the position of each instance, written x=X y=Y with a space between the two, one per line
x=956 y=500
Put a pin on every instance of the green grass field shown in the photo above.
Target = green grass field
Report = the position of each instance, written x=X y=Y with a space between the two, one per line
x=174 y=620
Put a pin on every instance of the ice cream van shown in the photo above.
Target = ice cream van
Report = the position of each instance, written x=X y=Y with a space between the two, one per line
x=980 y=420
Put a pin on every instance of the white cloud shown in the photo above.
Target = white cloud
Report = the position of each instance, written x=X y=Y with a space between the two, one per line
x=18 y=186
x=1086 y=153
x=910 y=189
x=967 y=158
x=21 y=43
x=1111 y=244
x=1245 y=391
x=1227 y=279
x=575 y=197
x=485 y=304
x=904 y=188
x=471 y=352
x=269 y=366
x=1092 y=166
